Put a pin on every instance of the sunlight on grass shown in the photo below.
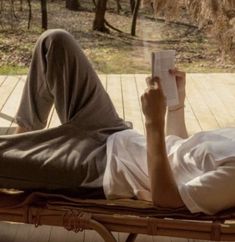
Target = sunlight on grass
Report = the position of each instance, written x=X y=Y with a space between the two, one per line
x=13 y=70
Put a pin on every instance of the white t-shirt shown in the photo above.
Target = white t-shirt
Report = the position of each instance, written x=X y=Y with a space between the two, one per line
x=203 y=167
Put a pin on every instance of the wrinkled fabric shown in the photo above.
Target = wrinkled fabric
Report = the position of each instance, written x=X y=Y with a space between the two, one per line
x=73 y=155
x=203 y=167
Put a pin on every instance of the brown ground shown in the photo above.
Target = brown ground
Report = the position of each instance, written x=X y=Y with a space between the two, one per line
x=114 y=52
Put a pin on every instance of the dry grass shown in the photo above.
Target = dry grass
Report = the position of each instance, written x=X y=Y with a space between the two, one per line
x=110 y=53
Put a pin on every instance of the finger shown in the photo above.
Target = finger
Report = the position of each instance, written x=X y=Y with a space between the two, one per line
x=180 y=73
x=152 y=82
x=159 y=84
x=174 y=69
x=156 y=83
x=177 y=73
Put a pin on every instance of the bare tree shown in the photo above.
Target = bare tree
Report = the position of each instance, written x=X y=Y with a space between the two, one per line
x=134 y=17
x=73 y=5
x=1 y=6
x=30 y=13
x=119 y=7
x=94 y=2
x=13 y=8
x=21 y=5
x=99 y=22
x=215 y=16
x=132 y=5
x=44 y=14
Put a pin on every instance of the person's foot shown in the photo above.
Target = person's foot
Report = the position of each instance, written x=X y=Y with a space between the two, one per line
x=20 y=130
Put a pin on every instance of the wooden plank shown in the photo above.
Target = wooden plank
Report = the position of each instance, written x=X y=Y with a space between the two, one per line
x=93 y=236
x=4 y=124
x=122 y=237
x=192 y=123
x=145 y=238
x=39 y=234
x=8 y=231
x=22 y=233
x=49 y=120
x=141 y=83
x=131 y=104
x=103 y=79
x=114 y=89
x=6 y=89
x=205 y=86
x=162 y=239
x=140 y=238
x=10 y=107
x=54 y=121
x=2 y=79
x=224 y=88
x=8 y=103
x=200 y=108
x=179 y=240
x=59 y=234
x=141 y=87
x=27 y=232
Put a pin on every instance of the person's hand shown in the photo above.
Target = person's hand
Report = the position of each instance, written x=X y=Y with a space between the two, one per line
x=180 y=78
x=154 y=103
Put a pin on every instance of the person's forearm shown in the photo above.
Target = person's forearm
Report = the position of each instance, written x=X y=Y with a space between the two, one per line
x=163 y=187
x=175 y=123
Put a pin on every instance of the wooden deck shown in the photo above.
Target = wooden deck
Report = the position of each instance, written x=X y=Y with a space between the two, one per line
x=209 y=105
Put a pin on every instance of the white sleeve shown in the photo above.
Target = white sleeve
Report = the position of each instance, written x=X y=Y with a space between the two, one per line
x=211 y=192
x=172 y=143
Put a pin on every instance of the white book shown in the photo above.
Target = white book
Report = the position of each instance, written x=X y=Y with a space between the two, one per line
x=162 y=61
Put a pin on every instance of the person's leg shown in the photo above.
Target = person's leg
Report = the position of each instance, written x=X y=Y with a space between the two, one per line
x=36 y=100
x=60 y=159
x=73 y=155
x=60 y=72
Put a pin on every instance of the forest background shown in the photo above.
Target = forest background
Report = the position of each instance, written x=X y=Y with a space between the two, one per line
x=118 y=36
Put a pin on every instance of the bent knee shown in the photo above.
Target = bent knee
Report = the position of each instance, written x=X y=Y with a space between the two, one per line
x=56 y=35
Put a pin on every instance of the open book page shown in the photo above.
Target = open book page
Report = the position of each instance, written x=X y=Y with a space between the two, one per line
x=162 y=61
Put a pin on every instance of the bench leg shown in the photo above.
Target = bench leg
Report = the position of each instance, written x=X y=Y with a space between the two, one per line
x=131 y=237
x=102 y=231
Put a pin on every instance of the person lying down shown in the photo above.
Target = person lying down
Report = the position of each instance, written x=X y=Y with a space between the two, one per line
x=96 y=154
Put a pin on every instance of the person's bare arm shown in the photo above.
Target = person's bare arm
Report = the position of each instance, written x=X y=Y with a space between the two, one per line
x=163 y=187
x=175 y=119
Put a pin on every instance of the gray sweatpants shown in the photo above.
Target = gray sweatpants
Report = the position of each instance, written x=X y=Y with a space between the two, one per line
x=71 y=157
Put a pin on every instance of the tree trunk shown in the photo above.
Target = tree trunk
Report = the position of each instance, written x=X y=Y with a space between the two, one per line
x=94 y=2
x=73 y=5
x=134 y=17
x=44 y=14
x=13 y=9
x=21 y=5
x=1 y=6
x=30 y=13
x=119 y=7
x=132 y=5
x=99 y=22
